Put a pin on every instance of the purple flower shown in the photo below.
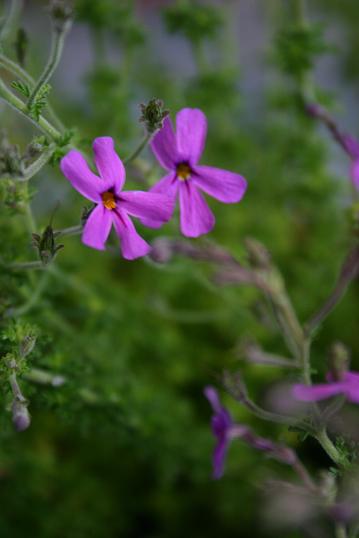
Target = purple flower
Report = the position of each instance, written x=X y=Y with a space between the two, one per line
x=221 y=427
x=348 y=386
x=225 y=430
x=113 y=206
x=179 y=153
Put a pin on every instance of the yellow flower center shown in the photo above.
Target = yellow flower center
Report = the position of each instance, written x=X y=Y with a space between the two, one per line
x=108 y=199
x=183 y=171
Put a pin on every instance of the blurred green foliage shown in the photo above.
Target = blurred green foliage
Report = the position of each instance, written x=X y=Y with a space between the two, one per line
x=123 y=447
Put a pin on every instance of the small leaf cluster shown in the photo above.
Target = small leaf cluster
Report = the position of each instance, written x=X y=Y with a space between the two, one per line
x=35 y=107
x=297 y=47
x=112 y=16
x=46 y=244
x=194 y=21
x=62 y=146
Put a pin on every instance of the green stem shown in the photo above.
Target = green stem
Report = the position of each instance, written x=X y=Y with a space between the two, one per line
x=58 y=41
x=10 y=19
x=23 y=75
x=330 y=449
x=72 y=230
x=138 y=150
x=33 y=299
x=24 y=266
x=44 y=125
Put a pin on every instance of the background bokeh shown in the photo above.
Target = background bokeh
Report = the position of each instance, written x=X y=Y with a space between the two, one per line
x=123 y=448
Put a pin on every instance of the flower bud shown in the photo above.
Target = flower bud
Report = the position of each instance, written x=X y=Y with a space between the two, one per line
x=27 y=344
x=153 y=115
x=339 y=361
x=20 y=416
x=61 y=12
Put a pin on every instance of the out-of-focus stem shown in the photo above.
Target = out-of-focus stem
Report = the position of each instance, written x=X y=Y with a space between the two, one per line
x=10 y=19
x=57 y=45
x=138 y=150
x=340 y=531
x=330 y=449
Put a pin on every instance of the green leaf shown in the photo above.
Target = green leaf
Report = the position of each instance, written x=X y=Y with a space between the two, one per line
x=21 y=87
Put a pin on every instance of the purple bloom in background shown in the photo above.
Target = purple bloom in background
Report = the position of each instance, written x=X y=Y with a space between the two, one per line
x=221 y=426
x=225 y=430
x=348 y=386
x=113 y=206
x=179 y=153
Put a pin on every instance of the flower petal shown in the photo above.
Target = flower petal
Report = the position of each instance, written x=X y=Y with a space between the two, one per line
x=223 y=185
x=314 y=393
x=97 y=228
x=164 y=146
x=196 y=216
x=167 y=185
x=158 y=208
x=76 y=170
x=132 y=244
x=219 y=457
x=212 y=396
x=191 y=131
x=354 y=172
x=109 y=164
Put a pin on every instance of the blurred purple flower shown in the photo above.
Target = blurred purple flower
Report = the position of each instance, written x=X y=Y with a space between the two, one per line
x=224 y=430
x=113 y=206
x=351 y=145
x=348 y=386
x=179 y=153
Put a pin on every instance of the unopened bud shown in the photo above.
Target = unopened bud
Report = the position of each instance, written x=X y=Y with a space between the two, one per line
x=153 y=115
x=20 y=416
x=339 y=361
x=26 y=346
x=61 y=12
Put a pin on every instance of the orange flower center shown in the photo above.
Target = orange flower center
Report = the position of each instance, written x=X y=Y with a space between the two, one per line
x=108 y=199
x=183 y=171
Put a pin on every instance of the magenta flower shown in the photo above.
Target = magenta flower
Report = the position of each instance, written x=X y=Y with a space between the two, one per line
x=179 y=153
x=221 y=427
x=348 y=386
x=113 y=206
x=225 y=430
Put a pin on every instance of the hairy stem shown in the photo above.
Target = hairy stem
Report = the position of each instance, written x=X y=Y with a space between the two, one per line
x=24 y=76
x=330 y=449
x=44 y=125
x=57 y=45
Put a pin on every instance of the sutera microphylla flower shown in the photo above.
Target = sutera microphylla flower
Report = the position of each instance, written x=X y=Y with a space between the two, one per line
x=179 y=153
x=225 y=430
x=114 y=206
x=348 y=385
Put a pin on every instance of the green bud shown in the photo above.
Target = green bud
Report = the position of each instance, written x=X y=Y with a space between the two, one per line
x=339 y=360
x=26 y=345
x=153 y=115
x=61 y=12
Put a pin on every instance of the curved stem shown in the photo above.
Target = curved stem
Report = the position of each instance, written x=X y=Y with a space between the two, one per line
x=138 y=150
x=330 y=449
x=57 y=46
x=44 y=125
x=17 y=70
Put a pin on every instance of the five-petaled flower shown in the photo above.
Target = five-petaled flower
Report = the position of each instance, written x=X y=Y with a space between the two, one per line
x=347 y=386
x=113 y=206
x=179 y=153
